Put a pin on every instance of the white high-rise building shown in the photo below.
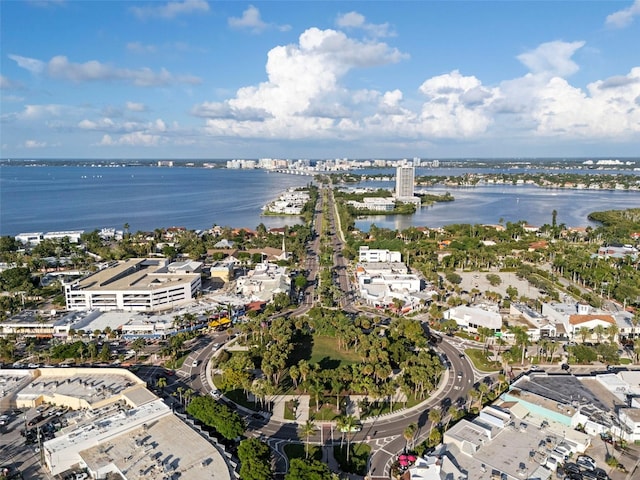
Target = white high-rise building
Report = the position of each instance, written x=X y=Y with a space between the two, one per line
x=405 y=181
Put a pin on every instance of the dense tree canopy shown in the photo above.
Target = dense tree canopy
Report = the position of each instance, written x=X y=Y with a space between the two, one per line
x=227 y=422
x=255 y=460
x=300 y=469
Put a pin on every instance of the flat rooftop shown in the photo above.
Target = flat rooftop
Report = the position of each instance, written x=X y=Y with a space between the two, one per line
x=13 y=380
x=91 y=385
x=509 y=448
x=154 y=452
x=134 y=274
x=32 y=317
x=564 y=389
x=606 y=396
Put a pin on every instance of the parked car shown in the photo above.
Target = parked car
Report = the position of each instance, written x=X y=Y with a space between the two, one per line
x=35 y=420
x=571 y=468
x=606 y=438
x=194 y=363
x=586 y=462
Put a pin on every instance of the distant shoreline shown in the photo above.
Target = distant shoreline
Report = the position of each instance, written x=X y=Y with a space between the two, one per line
x=631 y=164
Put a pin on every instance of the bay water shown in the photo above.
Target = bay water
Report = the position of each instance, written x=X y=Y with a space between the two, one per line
x=52 y=198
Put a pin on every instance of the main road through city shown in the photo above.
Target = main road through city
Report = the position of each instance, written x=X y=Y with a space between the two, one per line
x=383 y=434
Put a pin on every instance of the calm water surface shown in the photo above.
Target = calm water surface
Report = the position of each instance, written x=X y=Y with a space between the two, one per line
x=50 y=198
x=84 y=198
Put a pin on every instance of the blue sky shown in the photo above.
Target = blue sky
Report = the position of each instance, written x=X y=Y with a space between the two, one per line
x=197 y=79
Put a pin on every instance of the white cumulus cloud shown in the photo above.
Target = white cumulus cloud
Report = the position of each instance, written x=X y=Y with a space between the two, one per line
x=623 y=18
x=448 y=111
x=606 y=109
x=552 y=58
x=299 y=78
x=305 y=96
x=355 y=20
x=252 y=21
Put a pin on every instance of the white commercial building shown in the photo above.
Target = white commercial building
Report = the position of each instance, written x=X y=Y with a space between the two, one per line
x=136 y=284
x=138 y=443
x=383 y=279
x=72 y=235
x=367 y=254
x=31 y=238
x=377 y=204
x=578 y=316
x=262 y=283
x=472 y=318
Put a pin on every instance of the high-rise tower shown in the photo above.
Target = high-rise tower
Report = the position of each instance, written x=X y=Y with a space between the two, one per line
x=405 y=182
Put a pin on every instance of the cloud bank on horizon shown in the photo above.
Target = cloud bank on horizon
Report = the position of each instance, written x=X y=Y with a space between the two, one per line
x=197 y=79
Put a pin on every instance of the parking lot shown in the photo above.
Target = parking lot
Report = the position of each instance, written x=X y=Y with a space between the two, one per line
x=599 y=450
x=19 y=452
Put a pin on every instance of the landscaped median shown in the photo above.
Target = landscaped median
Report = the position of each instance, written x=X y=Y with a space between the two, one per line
x=480 y=361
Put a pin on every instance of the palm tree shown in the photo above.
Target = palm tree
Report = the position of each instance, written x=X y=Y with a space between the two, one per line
x=294 y=374
x=435 y=415
x=612 y=331
x=306 y=430
x=92 y=349
x=599 y=330
x=451 y=412
x=316 y=389
x=162 y=382
x=336 y=389
x=502 y=381
x=584 y=332
x=187 y=395
x=180 y=391
x=409 y=433
x=483 y=388
x=522 y=339
x=347 y=424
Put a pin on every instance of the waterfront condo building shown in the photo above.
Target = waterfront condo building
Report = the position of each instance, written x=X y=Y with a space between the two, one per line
x=405 y=182
x=136 y=284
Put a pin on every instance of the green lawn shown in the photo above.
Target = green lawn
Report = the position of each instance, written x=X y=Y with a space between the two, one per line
x=297 y=450
x=289 y=410
x=177 y=364
x=325 y=352
x=480 y=361
x=327 y=412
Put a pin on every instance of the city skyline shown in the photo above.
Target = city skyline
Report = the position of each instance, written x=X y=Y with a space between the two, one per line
x=197 y=79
